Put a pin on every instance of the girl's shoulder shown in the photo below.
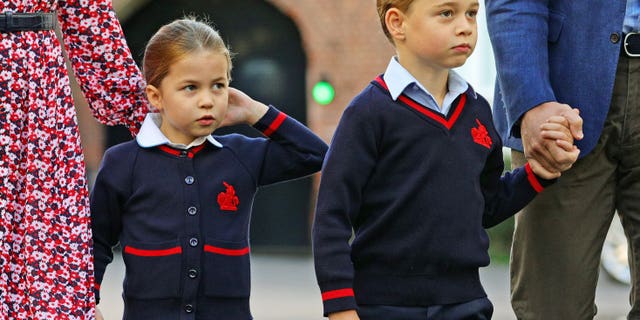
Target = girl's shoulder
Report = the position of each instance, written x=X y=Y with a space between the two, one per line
x=122 y=152
x=241 y=144
x=123 y=148
x=232 y=140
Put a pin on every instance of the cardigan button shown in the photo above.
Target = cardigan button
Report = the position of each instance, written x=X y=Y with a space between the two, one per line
x=192 y=273
x=189 y=180
x=188 y=308
x=193 y=242
x=192 y=211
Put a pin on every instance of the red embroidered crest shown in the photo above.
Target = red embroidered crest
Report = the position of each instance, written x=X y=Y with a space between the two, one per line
x=481 y=135
x=228 y=200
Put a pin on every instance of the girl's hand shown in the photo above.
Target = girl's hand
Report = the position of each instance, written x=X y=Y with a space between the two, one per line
x=242 y=109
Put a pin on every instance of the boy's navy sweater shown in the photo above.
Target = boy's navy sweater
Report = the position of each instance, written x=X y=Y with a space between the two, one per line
x=417 y=189
x=182 y=217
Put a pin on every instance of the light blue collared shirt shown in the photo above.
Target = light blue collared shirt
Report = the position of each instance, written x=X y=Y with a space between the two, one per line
x=399 y=81
x=632 y=16
x=151 y=136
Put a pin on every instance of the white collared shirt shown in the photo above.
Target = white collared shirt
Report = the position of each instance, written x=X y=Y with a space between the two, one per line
x=151 y=136
x=399 y=81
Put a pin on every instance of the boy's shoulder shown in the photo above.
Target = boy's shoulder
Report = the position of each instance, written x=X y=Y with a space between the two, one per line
x=374 y=90
x=371 y=95
x=477 y=99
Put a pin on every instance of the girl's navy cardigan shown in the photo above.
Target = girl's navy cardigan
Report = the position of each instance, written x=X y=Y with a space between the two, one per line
x=182 y=217
x=415 y=190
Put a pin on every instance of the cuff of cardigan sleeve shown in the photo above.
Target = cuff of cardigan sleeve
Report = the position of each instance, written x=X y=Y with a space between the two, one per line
x=271 y=121
x=537 y=183
x=338 y=300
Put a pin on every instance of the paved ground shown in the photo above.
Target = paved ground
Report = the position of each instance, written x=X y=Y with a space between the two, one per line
x=284 y=288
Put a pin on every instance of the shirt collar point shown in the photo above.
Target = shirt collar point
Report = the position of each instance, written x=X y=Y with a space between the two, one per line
x=150 y=135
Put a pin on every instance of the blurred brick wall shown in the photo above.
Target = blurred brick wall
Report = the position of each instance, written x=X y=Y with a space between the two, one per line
x=344 y=44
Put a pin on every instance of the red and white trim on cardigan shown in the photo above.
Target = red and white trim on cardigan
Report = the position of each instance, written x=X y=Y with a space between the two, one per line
x=190 y=153
x=152 y=253
x=226 y=252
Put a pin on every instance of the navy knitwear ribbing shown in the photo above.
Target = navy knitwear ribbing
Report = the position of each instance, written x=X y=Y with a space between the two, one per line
x=404 y=198
x=182 y=216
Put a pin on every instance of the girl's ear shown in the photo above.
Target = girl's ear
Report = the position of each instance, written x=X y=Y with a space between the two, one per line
x=394 y=19
x=154 y=96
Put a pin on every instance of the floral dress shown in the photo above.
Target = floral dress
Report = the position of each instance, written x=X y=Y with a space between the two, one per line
x=46 y=267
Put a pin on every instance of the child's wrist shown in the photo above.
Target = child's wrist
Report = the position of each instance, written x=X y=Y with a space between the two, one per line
x=258 y=111
x=541 y=172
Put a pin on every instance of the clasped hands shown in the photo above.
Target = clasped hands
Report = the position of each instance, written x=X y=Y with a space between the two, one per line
x=548 y=132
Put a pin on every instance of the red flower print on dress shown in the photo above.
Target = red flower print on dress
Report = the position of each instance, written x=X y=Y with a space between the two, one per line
x=46 y=264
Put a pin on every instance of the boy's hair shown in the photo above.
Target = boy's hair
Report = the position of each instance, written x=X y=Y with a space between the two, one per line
x=384 y=6
x=175 y=40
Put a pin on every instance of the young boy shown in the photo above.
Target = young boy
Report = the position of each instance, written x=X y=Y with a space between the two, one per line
x=412 y=176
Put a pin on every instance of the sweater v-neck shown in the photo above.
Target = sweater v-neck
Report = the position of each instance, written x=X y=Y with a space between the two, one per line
x=447 y=121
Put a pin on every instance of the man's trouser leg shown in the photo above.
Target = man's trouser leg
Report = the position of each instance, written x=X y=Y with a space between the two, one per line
x=558 y=238
x=628 y=188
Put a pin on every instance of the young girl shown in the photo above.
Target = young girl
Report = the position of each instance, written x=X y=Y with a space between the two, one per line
x=177 y=199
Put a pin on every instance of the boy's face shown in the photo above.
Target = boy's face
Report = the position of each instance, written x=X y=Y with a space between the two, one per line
x=193 y=96
x=440 y=33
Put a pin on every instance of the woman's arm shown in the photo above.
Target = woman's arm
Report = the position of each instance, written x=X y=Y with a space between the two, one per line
x=106 y=72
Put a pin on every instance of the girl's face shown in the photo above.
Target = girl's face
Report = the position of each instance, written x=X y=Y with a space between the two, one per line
x=193 y=96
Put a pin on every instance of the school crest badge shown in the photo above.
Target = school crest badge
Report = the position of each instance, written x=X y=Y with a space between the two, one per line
x=228 y=200
x=481 y=135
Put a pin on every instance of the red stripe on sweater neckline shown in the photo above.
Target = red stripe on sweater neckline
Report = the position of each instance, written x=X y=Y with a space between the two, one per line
x=438 y=117
x=177 y=152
